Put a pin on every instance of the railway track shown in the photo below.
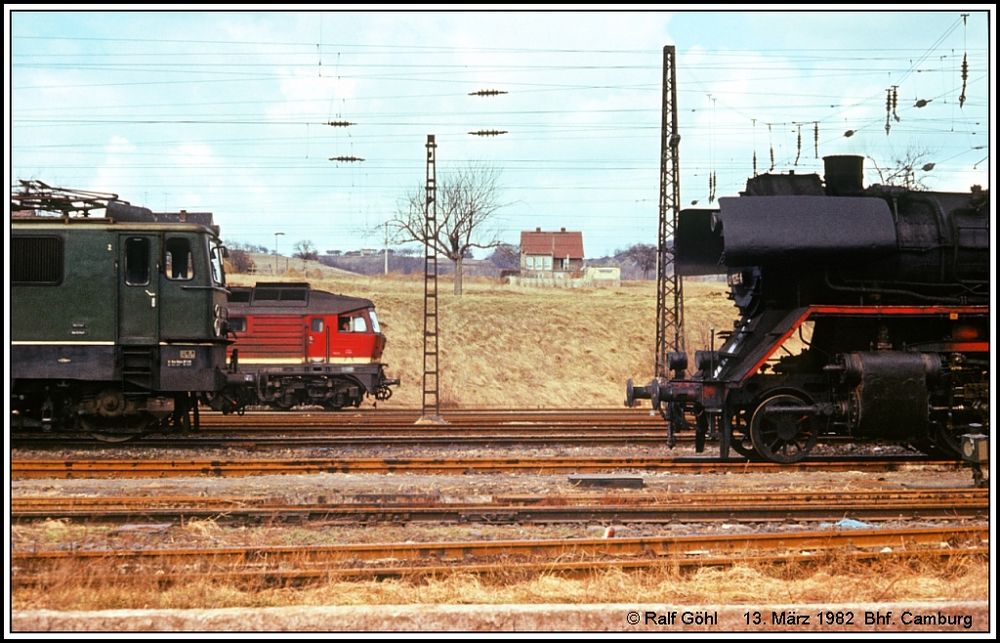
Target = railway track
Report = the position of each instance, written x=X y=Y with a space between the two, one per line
x=392 y=428
x=669 y=508
x=298 y=564
x=295 y=437
x=309 y=429
x=404 y=418
x=148 y=468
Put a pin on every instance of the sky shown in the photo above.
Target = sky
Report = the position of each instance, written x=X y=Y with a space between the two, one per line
x=229 y=112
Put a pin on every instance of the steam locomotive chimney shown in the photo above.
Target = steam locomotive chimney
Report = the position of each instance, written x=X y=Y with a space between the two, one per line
x=844 y=175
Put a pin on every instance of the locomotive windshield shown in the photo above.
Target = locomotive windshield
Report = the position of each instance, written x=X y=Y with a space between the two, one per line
x=375 y=326
x=215 y=254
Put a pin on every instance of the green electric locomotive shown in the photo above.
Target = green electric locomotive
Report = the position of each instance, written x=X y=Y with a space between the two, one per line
x=118 y=323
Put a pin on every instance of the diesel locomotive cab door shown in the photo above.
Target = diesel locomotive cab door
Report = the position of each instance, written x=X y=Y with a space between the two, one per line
x=138 y=287
x=317 y=340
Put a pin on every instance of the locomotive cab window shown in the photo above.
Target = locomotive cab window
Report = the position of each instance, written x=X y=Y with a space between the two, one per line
x=317 y=325
x=178 y=260
x=352 y=324
x=137 y=261
x=238 y=324
x=36 y=260
x=216 y=255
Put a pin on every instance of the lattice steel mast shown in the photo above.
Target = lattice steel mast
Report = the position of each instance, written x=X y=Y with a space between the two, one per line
x=431 y=407
x=669 y=287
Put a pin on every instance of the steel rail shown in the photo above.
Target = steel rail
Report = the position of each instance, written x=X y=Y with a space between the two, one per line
x=664 y=546
x=777 y=507
x=147 y=468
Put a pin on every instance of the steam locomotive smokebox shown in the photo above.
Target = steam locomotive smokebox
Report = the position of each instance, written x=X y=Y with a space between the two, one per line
x=845 y=175
x=698 y=250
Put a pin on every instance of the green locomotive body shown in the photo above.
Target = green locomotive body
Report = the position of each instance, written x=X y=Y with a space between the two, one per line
x=118 y=325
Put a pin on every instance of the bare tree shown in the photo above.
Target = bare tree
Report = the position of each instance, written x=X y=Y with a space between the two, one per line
x=305 y=249
x=644 y=256
x=903 y=172
x=466 y=202
x=506 y=256
x=240 y=261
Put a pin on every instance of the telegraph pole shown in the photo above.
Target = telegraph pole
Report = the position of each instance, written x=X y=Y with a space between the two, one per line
x=276 y=235
x=669 y=287
x=386 y=266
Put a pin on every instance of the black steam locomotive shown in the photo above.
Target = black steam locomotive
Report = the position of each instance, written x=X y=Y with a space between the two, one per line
x=863 y=313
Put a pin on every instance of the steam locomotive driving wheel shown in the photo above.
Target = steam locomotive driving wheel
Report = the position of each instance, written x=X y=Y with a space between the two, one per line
x=781 y=430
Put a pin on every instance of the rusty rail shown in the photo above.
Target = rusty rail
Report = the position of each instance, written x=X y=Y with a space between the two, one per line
x=501 y=556
x=660 y=508
x=145 y=468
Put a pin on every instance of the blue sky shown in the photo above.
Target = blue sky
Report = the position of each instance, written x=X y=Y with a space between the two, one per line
x=226 y=111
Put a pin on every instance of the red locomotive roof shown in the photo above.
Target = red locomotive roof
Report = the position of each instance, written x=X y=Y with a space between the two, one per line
x=555 y=244
x=291 y=299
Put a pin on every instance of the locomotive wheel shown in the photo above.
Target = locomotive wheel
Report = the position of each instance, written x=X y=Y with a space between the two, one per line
x=782 y=437
x=742 y=444
x=115 y=430
x=946 y=443
x=740 y=441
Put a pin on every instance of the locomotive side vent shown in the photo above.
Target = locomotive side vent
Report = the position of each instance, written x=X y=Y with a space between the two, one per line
x=36 y=260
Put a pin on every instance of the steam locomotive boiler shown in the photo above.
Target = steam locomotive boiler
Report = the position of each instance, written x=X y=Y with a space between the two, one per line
x=863 y=312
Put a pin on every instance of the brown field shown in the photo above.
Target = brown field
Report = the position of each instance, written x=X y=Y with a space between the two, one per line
x=522 y=347
x=829 y=583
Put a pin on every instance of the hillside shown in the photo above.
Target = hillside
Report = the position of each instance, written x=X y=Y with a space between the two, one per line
x=522 y=347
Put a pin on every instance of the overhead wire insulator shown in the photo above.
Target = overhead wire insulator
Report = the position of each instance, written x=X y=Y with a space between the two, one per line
x=888 y=109
x=487 y=92
x=340 y=123
x=965 y=77
x=798 y=144
x=816 y=138
x=895 y=101
x=347 y=159
x=770 y=145
x=488 y=132
x=965 y=59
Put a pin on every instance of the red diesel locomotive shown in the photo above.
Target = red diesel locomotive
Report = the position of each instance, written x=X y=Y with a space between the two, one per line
x=299 y=346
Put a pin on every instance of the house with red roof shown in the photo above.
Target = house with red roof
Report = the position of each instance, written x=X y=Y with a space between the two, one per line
x=545 y=253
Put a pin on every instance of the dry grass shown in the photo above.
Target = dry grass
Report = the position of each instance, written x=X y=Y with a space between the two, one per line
x=519 y=347
x=831 y=581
